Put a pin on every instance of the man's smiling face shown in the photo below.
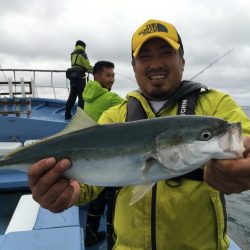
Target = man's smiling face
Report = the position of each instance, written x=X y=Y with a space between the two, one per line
x=158 y=69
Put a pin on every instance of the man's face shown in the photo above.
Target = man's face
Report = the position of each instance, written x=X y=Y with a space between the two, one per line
x=158 y=69
x=106 y=77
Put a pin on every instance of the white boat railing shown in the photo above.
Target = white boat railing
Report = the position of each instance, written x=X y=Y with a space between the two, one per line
x=43 y=82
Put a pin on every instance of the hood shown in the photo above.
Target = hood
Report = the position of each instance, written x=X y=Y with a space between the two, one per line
x=79 y=49
x=92 y=90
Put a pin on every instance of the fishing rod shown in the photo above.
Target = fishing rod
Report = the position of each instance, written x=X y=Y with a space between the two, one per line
x=212 y=63
x=125 y=76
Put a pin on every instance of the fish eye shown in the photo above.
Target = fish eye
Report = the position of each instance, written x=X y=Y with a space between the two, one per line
x=205 y=135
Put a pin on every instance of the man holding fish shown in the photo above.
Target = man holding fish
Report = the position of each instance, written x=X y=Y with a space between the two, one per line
x=185 y=212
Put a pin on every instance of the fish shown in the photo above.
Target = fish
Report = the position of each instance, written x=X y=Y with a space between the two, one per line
x=137 y=153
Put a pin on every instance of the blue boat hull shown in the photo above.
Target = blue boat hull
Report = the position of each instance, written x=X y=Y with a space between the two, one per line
x=47 y=118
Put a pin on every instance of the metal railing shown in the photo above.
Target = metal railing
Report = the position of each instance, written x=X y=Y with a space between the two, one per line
x=10 y=75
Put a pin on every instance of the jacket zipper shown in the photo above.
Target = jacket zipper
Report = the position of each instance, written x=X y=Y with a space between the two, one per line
x=153 y=217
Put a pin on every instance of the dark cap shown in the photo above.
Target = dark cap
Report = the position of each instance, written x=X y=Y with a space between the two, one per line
x=80 y=42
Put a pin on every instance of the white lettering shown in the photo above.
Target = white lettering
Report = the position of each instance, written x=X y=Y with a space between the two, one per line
x=183 y=107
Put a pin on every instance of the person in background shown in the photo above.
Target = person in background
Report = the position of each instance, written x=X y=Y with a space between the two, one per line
x=97 y=98
x=187 y=212
x=77 y=76
x=97 y=94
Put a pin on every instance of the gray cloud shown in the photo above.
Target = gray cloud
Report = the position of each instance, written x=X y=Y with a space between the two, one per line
x=41 y=34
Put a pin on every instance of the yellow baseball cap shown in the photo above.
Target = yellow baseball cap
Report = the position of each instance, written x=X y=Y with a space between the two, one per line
x=155 y=29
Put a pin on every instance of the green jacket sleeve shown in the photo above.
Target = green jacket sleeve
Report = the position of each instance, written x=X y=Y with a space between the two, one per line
x=223 y=106
x=88 y=193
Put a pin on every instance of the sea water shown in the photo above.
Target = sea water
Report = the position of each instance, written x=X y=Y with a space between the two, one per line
x=238 y=209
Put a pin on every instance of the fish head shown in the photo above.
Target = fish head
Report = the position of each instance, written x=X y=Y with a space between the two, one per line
x=195 y=141
x=231 y=143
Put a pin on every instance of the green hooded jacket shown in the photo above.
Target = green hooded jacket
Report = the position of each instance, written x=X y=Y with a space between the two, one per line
x=98 y=99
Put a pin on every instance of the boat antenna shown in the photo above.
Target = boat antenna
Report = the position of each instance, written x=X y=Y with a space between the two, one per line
x=3 y=73
x=212 y=63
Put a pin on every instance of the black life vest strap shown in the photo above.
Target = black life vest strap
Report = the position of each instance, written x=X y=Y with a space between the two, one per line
x=186 y=87
x=135 y=110
x=187 y=103
x=75 y=63
x=186 y=106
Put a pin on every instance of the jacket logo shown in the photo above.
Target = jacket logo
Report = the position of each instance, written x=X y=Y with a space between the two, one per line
x=154 y=27
x=183 y=107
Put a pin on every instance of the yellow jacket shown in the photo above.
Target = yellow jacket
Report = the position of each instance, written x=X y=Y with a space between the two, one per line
x=188 y=215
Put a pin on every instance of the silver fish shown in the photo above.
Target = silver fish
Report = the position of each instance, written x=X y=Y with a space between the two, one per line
x=134 y=153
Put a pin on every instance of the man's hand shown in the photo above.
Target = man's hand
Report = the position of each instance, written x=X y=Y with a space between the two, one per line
x=230 y=176
x=49 y=188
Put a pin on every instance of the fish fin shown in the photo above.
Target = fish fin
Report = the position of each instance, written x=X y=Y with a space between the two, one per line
x=80 y=120
x=139 y=192
x=147 y=164
x=149 y=155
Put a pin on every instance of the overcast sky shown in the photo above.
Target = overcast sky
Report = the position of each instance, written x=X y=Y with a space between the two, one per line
x=41 y=34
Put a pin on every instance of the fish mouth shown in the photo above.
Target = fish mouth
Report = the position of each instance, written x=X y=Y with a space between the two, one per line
x=231 y=142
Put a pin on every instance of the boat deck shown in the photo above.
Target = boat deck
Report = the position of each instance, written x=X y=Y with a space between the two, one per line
x=31 y=224
x=45 y=113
